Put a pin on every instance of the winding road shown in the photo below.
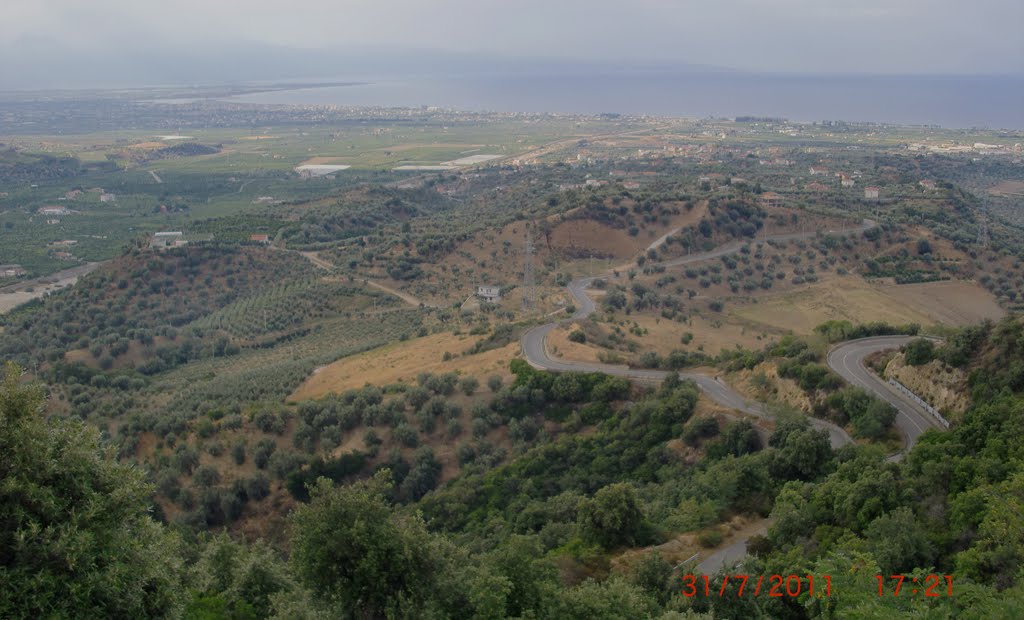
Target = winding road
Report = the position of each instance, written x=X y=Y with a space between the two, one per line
x=846 y=359
x=534 y=341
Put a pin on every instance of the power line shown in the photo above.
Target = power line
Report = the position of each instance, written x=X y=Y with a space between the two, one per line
x=528 y=300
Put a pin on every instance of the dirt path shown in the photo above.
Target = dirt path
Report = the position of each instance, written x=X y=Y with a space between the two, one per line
x=413 y=301
x=406 y=297
x=314 y=258
x=695 y=215
x=14 y=295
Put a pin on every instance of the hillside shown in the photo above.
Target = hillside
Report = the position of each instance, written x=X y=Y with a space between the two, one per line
x=567 y=509
x=316 y=417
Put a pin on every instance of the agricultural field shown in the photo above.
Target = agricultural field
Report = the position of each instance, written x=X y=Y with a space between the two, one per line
x=950 y=303
x=401 y=362
x=1008 y=189
x=326 y=327
x=228 y=173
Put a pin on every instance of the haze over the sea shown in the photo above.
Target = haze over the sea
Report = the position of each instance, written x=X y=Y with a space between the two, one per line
x=950 y=101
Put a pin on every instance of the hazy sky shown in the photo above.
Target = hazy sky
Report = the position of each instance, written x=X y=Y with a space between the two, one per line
x=868 y=36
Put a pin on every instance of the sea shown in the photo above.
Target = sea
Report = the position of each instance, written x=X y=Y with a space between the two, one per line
x=992 y=102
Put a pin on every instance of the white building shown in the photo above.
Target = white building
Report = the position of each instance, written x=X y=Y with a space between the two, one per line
x=490 y=294
x=11 y=271
x=169 y=239
x=871 y=193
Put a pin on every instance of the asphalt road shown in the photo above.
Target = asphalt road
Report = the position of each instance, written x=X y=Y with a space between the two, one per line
x=534 y=342
x=728 y=556
x=535 y=349
x=847 y=359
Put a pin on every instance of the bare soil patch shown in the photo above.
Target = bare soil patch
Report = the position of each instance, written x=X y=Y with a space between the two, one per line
x=326 y=161
x=579 y=236
x=943 y=387
x=403 y=361
x=782 y=390
x=1008 y=188
x=852 y=298
x=712 y=335
x=955 y=302
x=559 y=345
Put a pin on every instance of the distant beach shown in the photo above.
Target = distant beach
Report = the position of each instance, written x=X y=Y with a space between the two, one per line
x=949 y=101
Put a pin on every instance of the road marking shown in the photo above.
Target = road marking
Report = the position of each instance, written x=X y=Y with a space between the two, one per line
x=859 y=375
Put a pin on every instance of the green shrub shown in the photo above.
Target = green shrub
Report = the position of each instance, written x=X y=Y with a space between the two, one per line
x=710 y=538
x=919 y=352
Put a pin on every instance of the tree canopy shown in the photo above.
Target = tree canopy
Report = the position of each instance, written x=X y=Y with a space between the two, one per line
x=76 y=535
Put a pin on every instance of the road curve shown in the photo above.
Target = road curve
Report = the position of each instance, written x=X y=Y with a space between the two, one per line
x=847 y=360
x=730 y=555
x=534 y=348
x=534 y=342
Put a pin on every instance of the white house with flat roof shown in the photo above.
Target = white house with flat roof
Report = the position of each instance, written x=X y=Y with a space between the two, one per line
x=167 y=239
x=490 y=294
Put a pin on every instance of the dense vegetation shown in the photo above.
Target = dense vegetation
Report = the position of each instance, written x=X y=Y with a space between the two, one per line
x=535 y=536
x=75 y=531
x=144 y=297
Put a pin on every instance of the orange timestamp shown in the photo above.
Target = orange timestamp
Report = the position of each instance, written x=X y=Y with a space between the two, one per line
x=775 y=586
x=930 y=585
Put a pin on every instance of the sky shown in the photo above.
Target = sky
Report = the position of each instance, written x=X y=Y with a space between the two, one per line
x=789 y=36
